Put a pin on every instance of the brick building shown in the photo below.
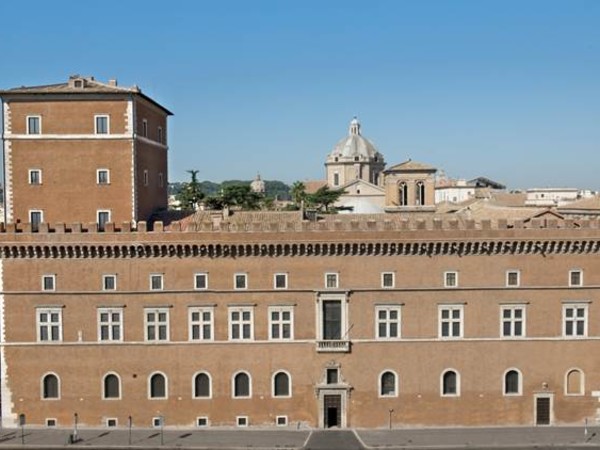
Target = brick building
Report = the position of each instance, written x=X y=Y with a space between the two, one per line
x=265 y=318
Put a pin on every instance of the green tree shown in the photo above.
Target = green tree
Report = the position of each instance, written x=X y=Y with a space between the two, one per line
x=298 y=192
x=190 y=193
x=324 y=198
x=240 y=195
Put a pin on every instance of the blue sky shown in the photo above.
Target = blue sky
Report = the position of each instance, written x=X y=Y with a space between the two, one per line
x=504 y=89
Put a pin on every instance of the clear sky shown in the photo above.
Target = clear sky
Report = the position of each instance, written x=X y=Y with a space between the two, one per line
x=505 y=89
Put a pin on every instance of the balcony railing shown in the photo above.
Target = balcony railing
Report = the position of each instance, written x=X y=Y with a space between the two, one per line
x=333 y=346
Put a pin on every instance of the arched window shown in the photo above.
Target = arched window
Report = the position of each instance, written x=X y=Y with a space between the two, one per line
x=241 y=385
x=450 y=383
x=158 y=386
x=420 y=193
x=403 y=194
x=111 y=386
x=202 y=385
x=387 y=384
x=50 y=387
x=574 y=383
x=512 y=382
x=281 y=385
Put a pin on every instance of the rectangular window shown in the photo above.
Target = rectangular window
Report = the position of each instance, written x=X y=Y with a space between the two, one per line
x=513 y=321
x=49 y=324
x=102 y=124
x=161 y=180
x=575 y=320
x=156 y=282
x=387 y=322
x=144 y=128
x=331 y=280
x=332 y=376
x=35 y=176
x=450 y=279
x=110 y=324
x=146 y=179
x=336 y=179
x=240 y=281
x=280 y=281
x=201 y=324
x=103 y=219
x=34 y=124
x=387 y=280
x=513 y=278
x=201 y=281
x=241 y=325
x=48 y=282
x=575 y=278
x=332 y=319
x=109 y=282
x=281 y=322
x=103 y=176
x=36 y=217
x=160 y=135
x=451 y=321
x=157 y=324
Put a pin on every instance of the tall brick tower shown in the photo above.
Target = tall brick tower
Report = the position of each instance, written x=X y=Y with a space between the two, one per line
x=83 y=151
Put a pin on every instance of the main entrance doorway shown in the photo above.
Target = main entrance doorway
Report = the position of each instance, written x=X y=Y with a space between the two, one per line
x=332 y=409
x=543 y=409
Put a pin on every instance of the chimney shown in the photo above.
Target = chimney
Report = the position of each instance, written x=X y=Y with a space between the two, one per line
x=112 y=82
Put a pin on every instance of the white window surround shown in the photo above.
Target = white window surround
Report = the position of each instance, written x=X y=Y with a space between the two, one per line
x=112 y=326
x=451 y=320
x=520 y=388
x=106 y=282
x=197 y=325
x=379 y=384
x=102 y=390
x=444 y=372
x=49 y=282
x=149 y=383
x=160 y=328
x=279 y=322
x=332 y=280
x=51 y=422
x=34 y=177
x=575 y=314
x=241 y=421
x=233 y=384
x=240 y=281
x=36 y=212
x=281 y=421
x=39 y=124
x=388 y=321
x=103 y=216
x=49 y=399
x=510 y=276
x=112 y=422
x=102 y=176
x=156 y=282
x=388 y=280
x=201 y=281
x=581 y=384
x=325 y=297
x=281 y=279
x=572 y=274
x=451 y=279
x=210 y=385
x=289 y=377
x=202 y=421
x=101 y=116
x=512 y=319
x=241 y=323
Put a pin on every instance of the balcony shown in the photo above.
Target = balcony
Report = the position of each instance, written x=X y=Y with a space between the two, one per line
x=333 y=346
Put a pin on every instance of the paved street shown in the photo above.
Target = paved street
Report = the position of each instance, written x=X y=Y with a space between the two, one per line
x=277 y=439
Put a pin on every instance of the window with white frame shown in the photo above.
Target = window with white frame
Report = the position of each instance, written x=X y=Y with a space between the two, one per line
x=512 y=321
x=109 y=282
x=111 y=387
x=48 y=282
x=156 y=282
x=158 y=388
x=201 y=323
x=282 y=386
x=574 y=382
x=240 y=281
x=202 y=385
x=49 y=324
x=387 y=279
x=281 y=322
x=450 y=279
x=242 y=385
x=103 y=176
x=575 y=278
x=512 y=382
x=451 y=321
x=201 y=281
x=241 y=323
x=281 y=421
x=450 y=384
x=513 y=278
x=50 y=387
x=332 y=280
x=387 y=384
x=332 y=318
x=387 y=321
x=35 y=176
x=110 y=324
x=36 y=218
x=156 y=324
x=34 y=124
x=575 y=320
x=102 y=124
x=280 y=281
x=103 y=217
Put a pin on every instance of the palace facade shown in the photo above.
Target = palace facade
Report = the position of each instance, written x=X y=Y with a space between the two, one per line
x=231 y=318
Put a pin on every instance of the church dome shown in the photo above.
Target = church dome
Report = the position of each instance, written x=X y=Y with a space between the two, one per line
x=354 y=147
